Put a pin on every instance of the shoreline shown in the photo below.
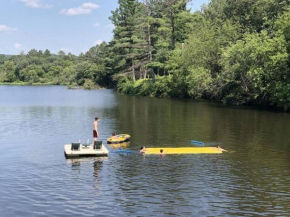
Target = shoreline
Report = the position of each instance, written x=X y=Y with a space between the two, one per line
x=50 y=84
x=28 y=84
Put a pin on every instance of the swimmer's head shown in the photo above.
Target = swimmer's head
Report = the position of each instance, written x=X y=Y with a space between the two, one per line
x=114 y=134
x=161 y=150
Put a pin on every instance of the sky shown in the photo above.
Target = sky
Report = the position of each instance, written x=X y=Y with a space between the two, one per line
x=68 y=25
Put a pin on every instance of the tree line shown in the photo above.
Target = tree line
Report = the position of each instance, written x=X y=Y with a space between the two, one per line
x=231 y=51
x=38 y=67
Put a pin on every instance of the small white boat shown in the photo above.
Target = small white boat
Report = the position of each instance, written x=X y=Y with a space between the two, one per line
x=85 y=150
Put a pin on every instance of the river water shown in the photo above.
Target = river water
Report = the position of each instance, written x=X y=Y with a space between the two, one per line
x=252 y=179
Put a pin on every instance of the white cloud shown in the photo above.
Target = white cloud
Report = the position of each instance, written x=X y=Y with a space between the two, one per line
x=17 y=45
x=97 y=24
x=85 y=8
x=90 y=5
x=35 y=4
x=111 y=26
x=4 y=28
x=98 y=42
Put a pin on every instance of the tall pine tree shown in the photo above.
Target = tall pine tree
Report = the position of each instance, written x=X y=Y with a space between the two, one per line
x=127 y=42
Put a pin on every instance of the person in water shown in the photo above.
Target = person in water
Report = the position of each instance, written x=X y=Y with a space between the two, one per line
x=220 y=148
x=114 y=136
x=161 y=152
x=142 y=149
x=95 y=128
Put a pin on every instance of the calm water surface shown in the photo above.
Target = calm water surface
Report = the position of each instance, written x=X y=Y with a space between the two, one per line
x=253 y=179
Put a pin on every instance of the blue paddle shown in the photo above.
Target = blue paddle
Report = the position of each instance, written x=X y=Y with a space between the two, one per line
x=197 y=143
x=122 y=151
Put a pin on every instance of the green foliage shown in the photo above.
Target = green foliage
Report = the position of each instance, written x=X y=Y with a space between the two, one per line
x=252 y=67
x=44 y=68
x=282 y=26
x=198 y=82
x=126 y=86
x=146 y=88
x=32 y=74
x=89 y=84
x=72 y=85
x=7 y=72
x=161 y=87
x=203 y=49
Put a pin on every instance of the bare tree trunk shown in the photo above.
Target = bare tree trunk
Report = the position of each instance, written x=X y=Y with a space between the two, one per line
x=149 y=30
x=141 y=74
x=133 y=71
x=145 y=73
x=149 y=35
x=172 y=30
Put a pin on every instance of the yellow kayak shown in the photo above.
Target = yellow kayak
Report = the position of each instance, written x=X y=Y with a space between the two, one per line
x=185 y=150
x=118 y=139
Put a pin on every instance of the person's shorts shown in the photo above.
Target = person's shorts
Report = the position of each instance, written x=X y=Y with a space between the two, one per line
x=95 y=134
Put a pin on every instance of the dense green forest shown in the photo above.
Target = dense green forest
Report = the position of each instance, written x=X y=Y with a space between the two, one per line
x=231 y=51
x=37 y=67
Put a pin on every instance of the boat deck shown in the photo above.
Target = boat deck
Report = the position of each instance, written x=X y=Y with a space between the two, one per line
x=85 y=151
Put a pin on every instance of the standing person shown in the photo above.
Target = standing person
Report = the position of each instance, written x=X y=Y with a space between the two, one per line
x=95 y=129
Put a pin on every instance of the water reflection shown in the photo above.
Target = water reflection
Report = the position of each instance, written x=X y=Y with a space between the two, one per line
x=75 y=164
x=98 y=165
x=97 y=162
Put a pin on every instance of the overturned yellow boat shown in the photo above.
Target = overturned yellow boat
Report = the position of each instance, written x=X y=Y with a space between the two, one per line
x=118 y=139
x=185 y=150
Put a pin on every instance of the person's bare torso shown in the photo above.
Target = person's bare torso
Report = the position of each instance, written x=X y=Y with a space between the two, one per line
x=95 y=127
